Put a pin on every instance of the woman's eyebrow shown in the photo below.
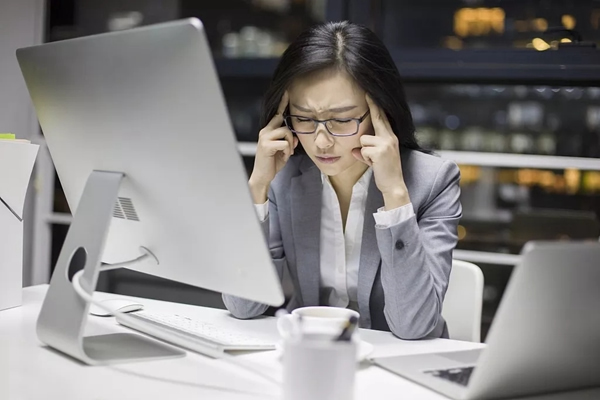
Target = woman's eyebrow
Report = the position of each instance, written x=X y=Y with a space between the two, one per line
x=335 y=109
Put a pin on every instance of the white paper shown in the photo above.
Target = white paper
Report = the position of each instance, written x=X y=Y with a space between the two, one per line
x=16 y=164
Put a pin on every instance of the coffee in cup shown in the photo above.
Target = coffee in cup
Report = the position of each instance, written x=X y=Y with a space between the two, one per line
x=319 y=320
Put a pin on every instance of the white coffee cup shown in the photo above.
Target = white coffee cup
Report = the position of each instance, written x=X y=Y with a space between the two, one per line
x=316 y=320
x=319 y=369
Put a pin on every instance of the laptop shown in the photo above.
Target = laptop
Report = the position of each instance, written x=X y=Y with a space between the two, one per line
x=545 y=336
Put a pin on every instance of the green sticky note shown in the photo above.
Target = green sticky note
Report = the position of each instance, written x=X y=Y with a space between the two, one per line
x=9 y=136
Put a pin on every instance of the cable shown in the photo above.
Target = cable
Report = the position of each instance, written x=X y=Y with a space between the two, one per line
x=153 y=330
x=147 y=254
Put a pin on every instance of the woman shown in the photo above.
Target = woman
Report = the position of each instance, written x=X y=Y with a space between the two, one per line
x=359 y=215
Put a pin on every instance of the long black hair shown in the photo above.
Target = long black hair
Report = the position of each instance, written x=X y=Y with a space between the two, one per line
x=356 y=50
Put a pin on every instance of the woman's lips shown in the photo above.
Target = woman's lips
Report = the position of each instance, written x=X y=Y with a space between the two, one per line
x=327 y=159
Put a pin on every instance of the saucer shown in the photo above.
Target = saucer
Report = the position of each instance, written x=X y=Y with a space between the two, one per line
x=364 y=350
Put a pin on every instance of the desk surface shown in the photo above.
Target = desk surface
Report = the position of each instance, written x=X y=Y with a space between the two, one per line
x=30 y=370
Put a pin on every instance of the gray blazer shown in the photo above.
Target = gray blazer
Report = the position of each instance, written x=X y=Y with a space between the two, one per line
x=403 y=270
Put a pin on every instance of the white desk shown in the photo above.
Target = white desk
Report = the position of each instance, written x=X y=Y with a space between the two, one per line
x=30 y=370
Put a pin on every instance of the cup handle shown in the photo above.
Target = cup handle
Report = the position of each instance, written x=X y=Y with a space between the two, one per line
x=286 y=326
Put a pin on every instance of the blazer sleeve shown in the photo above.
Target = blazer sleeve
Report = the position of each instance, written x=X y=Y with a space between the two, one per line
x=416 y=259
x=242 y=308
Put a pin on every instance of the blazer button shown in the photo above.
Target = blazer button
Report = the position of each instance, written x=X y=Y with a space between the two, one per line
x=399 y=244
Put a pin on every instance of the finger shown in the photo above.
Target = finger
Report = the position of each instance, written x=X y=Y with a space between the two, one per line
x=283 y=103
x=369 y=154
x=272 y=148
x=277 y=119
x=276 y=134
x=378 y=118
x=280 y=133
x=357 y=153
x=370 y=140
x=289 y=137
x=295 y=139
x=378 y=142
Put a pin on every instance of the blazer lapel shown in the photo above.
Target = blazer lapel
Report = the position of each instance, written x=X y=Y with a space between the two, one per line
x=306 y=198
x=370 y=258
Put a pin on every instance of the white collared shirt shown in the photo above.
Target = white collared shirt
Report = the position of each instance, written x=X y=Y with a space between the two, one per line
x=340 y=250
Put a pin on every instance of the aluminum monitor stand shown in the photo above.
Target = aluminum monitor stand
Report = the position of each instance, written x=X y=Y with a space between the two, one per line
x=64 y=313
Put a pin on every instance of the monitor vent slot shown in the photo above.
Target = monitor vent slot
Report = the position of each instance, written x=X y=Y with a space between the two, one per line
x=118 y=212
x=124 y=209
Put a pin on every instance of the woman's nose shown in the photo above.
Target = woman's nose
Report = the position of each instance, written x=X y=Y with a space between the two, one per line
x=323 y=140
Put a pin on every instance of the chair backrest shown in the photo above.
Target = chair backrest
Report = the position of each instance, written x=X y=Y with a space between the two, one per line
x=463 y=302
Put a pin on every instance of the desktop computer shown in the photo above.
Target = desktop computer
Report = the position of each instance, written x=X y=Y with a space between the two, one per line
x=138 y=129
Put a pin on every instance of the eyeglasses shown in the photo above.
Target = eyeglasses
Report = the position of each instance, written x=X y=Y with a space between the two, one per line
x=335 y=126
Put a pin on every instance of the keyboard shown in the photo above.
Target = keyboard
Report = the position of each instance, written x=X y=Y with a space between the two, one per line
x=460 y=376
x=193 y=334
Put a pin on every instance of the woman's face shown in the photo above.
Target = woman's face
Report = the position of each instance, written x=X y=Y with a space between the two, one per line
x=324 y=95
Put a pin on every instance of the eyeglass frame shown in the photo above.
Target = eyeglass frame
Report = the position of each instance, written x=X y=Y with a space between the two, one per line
x=324 y=122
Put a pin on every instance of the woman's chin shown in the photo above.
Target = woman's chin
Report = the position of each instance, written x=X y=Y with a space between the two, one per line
x=340 y=166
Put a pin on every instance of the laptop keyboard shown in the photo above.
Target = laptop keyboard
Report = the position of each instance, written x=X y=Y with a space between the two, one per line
x=457 y=375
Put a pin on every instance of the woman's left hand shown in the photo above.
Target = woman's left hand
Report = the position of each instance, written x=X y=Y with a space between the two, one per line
x=381 y=151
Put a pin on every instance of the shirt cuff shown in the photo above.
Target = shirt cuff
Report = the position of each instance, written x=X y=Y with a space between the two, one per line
x=262 y=210
x=386 y=219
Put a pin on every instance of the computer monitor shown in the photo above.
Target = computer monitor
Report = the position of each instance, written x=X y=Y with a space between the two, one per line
x=138 y=129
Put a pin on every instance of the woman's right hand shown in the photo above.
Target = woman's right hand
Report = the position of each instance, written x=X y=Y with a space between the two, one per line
x=276 y=145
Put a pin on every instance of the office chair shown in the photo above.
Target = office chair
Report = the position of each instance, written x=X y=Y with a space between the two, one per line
x=463 y=302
